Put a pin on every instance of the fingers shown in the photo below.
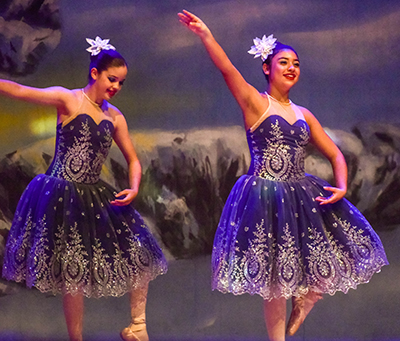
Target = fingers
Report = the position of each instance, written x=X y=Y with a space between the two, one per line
x=324 y=201
x=190 y=15
x=121 y=202
x=124 y=198
x=337 y=194
x=183 y=18
x=117 y=203
x=329 y=200
x=188 y=18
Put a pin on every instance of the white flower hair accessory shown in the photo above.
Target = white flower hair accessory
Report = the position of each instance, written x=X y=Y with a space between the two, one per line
x=263 y=47
x=98 y=45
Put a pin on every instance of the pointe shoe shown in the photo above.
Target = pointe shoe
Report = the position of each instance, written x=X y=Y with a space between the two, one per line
x=136 y=331
x=301 y=307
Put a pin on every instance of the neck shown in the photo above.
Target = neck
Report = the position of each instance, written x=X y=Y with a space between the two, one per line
x=278 y=94
x=91 y=95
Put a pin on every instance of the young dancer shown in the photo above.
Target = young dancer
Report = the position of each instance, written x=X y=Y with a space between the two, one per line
x=283 y=233
x=72 y=233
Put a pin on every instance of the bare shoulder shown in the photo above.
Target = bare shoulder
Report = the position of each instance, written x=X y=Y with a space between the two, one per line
x=116 y=115
x=309 y=117
x=114 y=111
x=63 y=92
x=304 y=111
x=67 y=100
x=75 y=94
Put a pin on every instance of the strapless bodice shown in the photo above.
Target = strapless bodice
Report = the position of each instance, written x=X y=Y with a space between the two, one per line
x=82 y=146
x=277 y=149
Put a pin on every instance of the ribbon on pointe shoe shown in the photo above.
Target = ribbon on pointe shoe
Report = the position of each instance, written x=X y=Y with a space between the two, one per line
x=136 y=331
x=302 y=305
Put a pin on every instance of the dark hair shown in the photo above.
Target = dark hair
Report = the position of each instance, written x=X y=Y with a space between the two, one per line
x=279 y=47
x=104 y=60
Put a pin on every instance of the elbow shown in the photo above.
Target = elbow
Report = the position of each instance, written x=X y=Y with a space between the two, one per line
x=337 y=157
x=135 y=164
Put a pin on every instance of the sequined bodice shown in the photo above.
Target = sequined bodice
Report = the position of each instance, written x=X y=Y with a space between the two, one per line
x=277 y=149
x=82 y=146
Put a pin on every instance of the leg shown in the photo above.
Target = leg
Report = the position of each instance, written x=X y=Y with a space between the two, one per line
x=136 y=331
x=275 y=318
x=301 y=306
x=73 y=312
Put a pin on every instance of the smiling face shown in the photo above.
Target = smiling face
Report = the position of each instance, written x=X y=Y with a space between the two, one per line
x=109 y=82
x=284 y=69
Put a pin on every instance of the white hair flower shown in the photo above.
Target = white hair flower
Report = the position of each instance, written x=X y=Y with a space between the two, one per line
x=263 y=47
x=98 y=45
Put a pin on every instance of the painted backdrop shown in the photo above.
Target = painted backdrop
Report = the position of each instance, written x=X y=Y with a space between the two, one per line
x=187 y=130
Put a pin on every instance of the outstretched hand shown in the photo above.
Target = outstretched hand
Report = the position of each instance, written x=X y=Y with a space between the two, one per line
x=337 y=194
x=193 y=23
x=124 y=197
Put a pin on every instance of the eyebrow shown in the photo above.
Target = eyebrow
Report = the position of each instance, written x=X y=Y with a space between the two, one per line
x=116 y=77
x=288 y=59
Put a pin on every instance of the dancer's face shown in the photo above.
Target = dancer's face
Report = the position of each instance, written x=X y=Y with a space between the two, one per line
x=110 y=81
x=284 y=69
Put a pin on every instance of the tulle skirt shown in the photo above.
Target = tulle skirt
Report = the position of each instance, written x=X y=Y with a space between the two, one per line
x=66 y=237
x=275 y=240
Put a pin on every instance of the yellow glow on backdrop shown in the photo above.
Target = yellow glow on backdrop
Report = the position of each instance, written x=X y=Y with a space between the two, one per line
x=8 y=121
x=43 y=126
x=26 y=125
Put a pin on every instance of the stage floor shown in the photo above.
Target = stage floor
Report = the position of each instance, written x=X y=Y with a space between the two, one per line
x=181 y=307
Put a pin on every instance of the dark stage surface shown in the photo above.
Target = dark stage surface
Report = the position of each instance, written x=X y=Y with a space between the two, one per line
x=181 y=307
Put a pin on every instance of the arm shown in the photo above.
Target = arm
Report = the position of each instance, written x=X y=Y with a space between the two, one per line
x=53 y=96
x=328 y=148
x=248 y=98
x=123 y=141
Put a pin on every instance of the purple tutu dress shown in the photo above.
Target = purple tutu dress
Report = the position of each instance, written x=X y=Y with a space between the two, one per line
x=273 y=238
x=66 y=237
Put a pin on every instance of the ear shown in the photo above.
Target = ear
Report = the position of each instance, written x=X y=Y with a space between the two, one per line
x=265 y=67
x=94 y=73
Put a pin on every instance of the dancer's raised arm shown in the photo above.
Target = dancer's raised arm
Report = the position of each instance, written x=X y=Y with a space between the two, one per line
x=248 y=98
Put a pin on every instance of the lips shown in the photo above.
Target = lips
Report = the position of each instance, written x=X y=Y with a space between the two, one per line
x=290 y=76
x=111 y=93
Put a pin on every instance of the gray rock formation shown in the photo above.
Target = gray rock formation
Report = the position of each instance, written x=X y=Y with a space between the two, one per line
x=29 y=29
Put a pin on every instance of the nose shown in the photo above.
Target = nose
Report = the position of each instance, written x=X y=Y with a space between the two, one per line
x=291 y=67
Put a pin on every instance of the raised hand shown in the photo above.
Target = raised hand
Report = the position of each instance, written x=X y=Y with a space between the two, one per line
x=337 y=194
x=193 y=23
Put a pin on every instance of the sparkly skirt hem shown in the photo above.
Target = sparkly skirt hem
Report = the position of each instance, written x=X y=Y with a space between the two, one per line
x=275 y=240
x=66 y=237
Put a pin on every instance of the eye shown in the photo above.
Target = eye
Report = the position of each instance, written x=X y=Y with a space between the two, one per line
x=283 y=62
x=112 y=79
x=121 y=83
x=296 y=64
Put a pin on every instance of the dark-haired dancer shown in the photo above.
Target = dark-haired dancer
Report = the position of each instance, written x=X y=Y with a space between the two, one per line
x=73 y=233
x=284 y=233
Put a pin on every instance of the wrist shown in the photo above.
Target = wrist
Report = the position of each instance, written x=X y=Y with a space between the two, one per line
x=206 y=36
